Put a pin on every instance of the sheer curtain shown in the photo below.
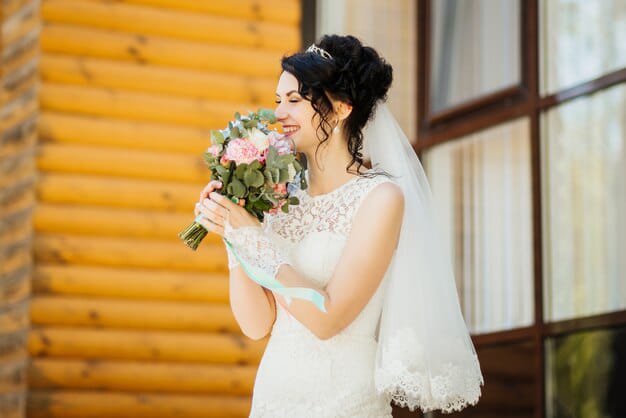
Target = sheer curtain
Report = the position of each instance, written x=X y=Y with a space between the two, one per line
x=390 y=28
x=482 y=188
x=475 y=49
x=584 y=169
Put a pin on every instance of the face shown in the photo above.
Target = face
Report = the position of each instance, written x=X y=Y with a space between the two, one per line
x=297 y=116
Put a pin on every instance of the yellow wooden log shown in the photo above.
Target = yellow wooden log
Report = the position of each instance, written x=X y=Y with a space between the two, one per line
x=117 y=252
x=106 y=404
x=139 y=106
x=90 y=220
x=151 y=50
x=155 y=79
x=66 y=128
x=136 y=376
x=115 y=192
x=121 y=162
x=172 y=23
x=283 y=11
x=111 y=313
x=130 y=283
x=173 y=346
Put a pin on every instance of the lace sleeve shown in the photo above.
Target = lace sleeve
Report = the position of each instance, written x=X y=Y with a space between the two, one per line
x=254 y=246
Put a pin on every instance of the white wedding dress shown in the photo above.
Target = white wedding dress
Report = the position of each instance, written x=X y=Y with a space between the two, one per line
x=300 y=375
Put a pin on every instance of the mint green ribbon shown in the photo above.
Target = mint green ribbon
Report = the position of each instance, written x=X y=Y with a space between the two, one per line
x=274 y=285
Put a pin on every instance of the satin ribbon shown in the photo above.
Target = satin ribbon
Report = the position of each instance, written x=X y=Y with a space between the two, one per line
x=274 y=285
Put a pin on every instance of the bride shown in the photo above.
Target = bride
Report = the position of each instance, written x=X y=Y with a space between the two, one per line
x=365 y=239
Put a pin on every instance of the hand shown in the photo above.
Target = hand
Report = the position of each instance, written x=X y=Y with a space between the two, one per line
x=217 y=209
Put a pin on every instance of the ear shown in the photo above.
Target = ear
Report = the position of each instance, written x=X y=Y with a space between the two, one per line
x=342 y=110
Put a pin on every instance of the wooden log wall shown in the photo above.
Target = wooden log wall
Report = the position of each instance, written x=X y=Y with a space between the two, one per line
x=126 y=320
x=20 y=28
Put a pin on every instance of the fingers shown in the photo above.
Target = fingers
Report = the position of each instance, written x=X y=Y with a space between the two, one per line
x=212 y=210
x=210 y=226
x=210 y=187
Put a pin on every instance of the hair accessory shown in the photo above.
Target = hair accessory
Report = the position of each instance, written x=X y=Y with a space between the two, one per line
x=317 y=50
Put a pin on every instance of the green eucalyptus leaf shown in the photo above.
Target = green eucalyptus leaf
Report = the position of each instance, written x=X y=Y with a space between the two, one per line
x=293 y=200
x=238 y=188
x=217 y=137
x=283 y=175
x=241 y=170
x=285 y=208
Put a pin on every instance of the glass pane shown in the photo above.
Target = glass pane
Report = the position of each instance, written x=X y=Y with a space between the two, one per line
x=584 y=189
x=481 y=186
x=475 y=49
x=586 y=375
x=510 y=383
x=580 y=40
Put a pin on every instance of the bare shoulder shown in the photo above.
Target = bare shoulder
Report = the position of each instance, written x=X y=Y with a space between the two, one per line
x=384 y=193
x=383 y=199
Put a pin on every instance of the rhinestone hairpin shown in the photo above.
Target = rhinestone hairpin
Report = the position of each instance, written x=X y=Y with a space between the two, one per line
x=317 y=50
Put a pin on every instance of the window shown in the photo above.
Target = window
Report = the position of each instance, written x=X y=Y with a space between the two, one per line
x=528 y=172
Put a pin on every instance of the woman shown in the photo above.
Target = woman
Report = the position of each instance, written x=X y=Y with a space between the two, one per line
x=348 y=240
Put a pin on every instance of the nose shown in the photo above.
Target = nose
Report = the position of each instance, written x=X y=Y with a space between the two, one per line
x=279 y=112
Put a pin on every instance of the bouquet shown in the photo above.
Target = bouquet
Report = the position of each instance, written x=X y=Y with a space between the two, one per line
x=257 y=166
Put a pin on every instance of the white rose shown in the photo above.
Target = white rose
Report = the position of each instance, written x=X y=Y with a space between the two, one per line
x=259 y=139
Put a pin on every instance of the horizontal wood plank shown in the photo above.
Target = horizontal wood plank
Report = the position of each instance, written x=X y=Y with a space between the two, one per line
x=118 y=193
x=106 y=404
x=135 y=376
x=125 y=252
x=139 y=106
x=114 y=222
x=152 y=50
x=121 y=75
x=132 y=314
x=69 y=128
x=121 y=162
x=172 y=23
x=126 y=283
x=168 y=346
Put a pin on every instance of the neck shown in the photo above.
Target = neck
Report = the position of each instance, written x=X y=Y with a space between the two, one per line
x=328 y=171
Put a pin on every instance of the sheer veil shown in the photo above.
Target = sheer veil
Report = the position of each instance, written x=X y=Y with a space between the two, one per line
x=425 y=356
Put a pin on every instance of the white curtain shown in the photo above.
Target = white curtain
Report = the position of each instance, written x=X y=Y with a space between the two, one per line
x=475 y=49
x=584 y=172
x=390 y=28
x=580 y=40
x=482 y=188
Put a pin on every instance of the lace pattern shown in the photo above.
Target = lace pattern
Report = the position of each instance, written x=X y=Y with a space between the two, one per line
x=450 y=389
x=256 y=248
x=331 y=212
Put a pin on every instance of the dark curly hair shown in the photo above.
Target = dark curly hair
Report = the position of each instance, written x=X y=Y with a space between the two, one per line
x=356 y=74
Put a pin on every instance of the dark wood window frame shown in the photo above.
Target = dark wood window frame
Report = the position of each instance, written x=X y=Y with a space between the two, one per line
x=523 y=100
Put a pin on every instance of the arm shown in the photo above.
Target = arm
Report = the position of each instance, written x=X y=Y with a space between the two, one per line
x=253 y=306
x=363 y=263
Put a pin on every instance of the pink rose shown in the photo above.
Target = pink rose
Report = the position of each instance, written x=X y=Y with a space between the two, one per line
x=240 y=151
x=280 y=188
x=214 y=150
x=280 y=142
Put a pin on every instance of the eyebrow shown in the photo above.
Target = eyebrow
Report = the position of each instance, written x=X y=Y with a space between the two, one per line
x=288 y=93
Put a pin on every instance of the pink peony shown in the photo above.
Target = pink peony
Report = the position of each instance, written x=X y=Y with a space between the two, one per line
x=241 y=150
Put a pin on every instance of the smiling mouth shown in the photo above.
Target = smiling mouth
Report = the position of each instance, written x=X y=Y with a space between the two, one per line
x=290 y=130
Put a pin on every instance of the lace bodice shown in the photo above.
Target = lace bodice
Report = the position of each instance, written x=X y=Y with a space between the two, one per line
x=324 y=378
